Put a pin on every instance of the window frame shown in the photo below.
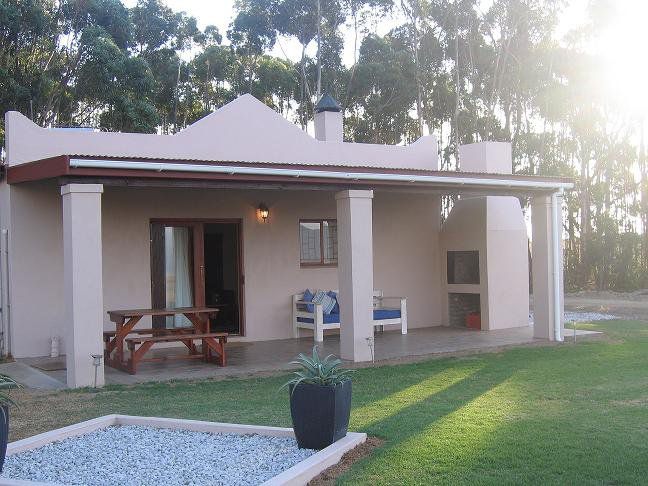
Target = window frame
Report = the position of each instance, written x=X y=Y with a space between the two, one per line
x=321 y=263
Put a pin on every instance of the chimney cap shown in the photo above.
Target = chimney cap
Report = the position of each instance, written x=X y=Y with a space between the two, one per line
x=327 y=103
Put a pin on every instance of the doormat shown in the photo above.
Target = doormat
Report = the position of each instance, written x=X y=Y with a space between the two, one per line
x=50 y=366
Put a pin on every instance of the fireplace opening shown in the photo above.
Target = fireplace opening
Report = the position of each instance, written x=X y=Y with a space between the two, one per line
x=464 y=310
x=463 y=267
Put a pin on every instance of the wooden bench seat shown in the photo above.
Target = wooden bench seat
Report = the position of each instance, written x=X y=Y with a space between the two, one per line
x=213 y=342
x=153 y=331
x=175 y=337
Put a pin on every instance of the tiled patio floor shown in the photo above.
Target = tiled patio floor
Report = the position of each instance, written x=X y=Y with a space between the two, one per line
x=266 y=356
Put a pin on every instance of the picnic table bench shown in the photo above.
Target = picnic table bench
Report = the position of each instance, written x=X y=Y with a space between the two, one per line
x=213 y=344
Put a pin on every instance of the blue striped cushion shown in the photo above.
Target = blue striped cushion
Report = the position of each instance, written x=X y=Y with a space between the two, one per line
x=327 y=302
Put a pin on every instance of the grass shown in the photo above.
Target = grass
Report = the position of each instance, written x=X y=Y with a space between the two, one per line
x=531 y=415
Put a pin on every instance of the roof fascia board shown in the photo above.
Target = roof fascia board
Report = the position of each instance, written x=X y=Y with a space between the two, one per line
x=471 y=181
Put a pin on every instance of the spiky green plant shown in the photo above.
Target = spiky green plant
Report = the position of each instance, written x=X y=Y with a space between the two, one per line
x=317 y=371
x=7 y=383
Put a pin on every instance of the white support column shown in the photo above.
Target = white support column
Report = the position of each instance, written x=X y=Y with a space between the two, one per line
x=547 y=263
x=82 y=276
x=355 y=273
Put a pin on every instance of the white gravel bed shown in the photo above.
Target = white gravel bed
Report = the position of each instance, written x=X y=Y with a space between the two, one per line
x=588 y=316
x=133 y=455
x=582 y=317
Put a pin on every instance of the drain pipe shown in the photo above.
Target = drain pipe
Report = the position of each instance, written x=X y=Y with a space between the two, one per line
x=5 y=336
x=557 y=257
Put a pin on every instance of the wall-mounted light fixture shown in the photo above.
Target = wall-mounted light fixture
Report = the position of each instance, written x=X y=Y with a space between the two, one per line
x=264 y=212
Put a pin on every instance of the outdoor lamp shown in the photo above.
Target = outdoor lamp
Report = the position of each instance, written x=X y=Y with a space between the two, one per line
x=264 y=212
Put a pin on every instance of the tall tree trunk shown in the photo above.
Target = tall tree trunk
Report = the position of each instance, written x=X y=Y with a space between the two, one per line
x=643 y=163
x=585 y=222
x=318 y=92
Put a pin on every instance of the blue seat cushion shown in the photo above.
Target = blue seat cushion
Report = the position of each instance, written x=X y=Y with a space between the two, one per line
x=308 y=297
x=328 y=319
x=381 y=314
x=378 y=315
x=336 y=307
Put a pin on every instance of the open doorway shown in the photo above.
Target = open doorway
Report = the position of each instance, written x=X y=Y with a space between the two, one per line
x=198 y=263
x=222 y=275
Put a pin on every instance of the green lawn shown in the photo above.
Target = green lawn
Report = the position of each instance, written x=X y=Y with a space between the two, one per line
x=550 y=415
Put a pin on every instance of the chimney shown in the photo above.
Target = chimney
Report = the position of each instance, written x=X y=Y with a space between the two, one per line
x=491 y=157
x=328 y=120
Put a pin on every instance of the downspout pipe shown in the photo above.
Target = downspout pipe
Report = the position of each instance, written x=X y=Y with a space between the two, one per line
x=5 y=301
x=557 y=261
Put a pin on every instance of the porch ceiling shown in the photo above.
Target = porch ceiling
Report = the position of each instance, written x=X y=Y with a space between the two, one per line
x=197 y=174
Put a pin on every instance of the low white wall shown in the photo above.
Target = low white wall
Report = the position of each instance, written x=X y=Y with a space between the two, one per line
x=405 y=249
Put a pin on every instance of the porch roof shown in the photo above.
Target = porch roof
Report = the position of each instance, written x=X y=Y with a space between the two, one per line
x=144 y=172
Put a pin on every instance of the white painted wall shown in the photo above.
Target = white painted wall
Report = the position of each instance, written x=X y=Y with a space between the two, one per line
x=405 y=249
x=36 y=263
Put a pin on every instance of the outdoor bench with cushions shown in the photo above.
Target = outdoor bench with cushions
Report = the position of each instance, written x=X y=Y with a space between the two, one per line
x=313 y=315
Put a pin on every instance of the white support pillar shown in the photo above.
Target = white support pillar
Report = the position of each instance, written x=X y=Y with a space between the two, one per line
x=547 y=263
x=82 y=276
x=355 y=273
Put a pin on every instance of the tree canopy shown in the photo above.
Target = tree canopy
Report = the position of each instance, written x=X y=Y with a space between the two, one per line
x=460 y=70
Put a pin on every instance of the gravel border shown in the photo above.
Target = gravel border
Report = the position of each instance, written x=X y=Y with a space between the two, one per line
x=138 y=456
x=588 y=316
x=571 y=316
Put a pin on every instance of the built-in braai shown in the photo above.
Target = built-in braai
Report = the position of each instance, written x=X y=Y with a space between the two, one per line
x=485 y=250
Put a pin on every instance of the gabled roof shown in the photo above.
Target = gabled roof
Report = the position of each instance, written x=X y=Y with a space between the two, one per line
x=245 y=130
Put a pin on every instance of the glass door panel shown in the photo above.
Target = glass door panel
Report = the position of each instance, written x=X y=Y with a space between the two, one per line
x=178 y=273
x=172 y=271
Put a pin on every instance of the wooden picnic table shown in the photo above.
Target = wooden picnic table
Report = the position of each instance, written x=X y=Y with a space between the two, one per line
x=126 y=320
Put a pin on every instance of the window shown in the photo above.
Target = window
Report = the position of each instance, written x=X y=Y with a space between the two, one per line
x=318 y=242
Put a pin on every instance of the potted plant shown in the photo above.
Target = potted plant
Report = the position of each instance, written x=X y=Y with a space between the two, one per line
x=6 y=383
x=320 y=400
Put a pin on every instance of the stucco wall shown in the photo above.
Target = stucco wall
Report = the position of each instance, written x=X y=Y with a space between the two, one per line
x=508 y=264
x=36 y=265
x=406 y=253
x=405 y=250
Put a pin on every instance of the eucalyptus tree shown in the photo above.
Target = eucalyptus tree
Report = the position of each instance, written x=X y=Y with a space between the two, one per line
x=251 y=33
x=383 y=92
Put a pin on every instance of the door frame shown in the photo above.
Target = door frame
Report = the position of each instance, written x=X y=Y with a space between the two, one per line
x=197 y=226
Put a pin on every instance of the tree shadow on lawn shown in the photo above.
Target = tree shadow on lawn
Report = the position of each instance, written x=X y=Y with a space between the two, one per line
x=405 y=425
x=527 y=415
